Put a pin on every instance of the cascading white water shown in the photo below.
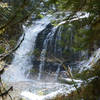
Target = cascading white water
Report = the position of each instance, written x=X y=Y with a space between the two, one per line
x=21 y=64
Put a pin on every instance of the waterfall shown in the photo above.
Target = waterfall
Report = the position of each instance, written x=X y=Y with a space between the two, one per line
x=21 y=63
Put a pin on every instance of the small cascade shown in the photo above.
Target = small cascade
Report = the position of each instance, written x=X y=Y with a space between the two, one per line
x=58 y=71
x=42 y=58
x=22 y=62
x=84 y=65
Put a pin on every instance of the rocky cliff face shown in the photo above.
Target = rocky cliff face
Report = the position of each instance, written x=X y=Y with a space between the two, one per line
x=58 y=42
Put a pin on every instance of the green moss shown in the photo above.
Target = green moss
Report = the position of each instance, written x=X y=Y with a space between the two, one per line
x=33 y=71
x=36 y=52
x=2 y=49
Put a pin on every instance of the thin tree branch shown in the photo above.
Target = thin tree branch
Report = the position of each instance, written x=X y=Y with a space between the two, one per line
x=5 y=89
x=6 y=92
x=11 y=51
